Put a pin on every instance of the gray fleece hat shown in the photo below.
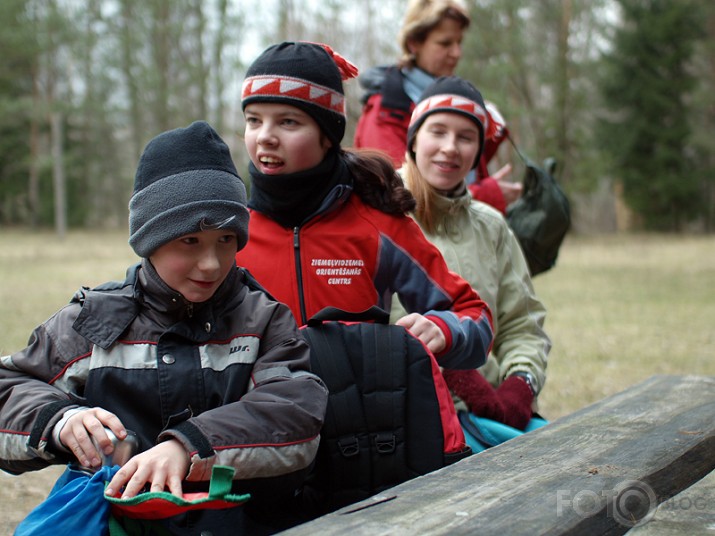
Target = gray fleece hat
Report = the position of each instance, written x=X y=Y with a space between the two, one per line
x=185 y=182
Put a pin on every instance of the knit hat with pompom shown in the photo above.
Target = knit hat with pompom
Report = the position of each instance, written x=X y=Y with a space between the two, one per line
x=306 y=75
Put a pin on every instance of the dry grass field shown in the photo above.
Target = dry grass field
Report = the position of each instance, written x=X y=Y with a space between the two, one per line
x=621 y=309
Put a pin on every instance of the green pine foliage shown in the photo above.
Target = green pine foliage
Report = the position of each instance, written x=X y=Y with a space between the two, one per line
x=645 y=128
x=117 y=72
x=702 y=112
x=15 y=107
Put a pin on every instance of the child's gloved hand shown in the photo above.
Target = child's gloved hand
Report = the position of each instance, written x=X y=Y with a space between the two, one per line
x=509 y=404
x=516 y=398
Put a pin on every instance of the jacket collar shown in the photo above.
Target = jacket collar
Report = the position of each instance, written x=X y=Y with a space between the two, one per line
x=173 y=309
x=449 y=208
x=108 y=310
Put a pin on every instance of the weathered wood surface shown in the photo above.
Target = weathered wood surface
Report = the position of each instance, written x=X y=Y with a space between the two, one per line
x=691 y=512
x=596 y=471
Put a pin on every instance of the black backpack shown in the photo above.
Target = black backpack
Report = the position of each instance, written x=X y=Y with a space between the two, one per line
x=384 y=423
x=541 y=217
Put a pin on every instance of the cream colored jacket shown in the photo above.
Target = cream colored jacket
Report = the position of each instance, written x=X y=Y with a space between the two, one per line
x=478 y=244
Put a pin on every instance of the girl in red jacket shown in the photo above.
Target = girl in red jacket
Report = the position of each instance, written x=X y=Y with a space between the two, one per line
x=328 y=227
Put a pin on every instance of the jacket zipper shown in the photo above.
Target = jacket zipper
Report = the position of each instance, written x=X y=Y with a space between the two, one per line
x=299 y=274
x=327 y=207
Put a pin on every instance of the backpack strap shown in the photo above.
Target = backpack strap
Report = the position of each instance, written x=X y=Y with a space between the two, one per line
x=373 y=314
x=384 y=390
x=345 y=422
x=472 y=429
x=364 y=365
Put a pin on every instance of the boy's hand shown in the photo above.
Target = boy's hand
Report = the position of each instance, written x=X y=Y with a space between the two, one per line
x=162 y=466
x=77 y=433
x=425 y=330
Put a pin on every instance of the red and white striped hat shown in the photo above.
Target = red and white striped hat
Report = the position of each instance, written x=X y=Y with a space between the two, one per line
x=305 y=75
x=450 y=94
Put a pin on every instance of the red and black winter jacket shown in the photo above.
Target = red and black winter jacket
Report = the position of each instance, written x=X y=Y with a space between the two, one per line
x=352 y=256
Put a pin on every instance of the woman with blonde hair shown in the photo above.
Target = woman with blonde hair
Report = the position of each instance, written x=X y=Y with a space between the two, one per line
x=431 y=46
x=444 y=142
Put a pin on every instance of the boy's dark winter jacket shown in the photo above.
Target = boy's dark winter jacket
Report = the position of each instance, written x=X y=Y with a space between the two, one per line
x=229 y=378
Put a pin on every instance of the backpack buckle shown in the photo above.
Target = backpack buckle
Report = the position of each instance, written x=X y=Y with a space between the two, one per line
x=349 y=446
x=385 y=442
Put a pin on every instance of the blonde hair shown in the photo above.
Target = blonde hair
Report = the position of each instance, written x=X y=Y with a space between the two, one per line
x=424 y=194
x=422 y=17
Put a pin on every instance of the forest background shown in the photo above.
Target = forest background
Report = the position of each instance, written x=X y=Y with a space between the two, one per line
x=618 y=91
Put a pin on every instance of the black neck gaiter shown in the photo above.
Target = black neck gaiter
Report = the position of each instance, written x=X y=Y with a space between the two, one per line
x=291 y=198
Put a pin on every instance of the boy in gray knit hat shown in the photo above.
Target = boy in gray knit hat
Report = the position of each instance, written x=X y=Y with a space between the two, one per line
x=185 y=177
x=188 y=352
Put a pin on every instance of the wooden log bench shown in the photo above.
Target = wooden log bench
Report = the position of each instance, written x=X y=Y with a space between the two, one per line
x=604 y=469
x=690 y=512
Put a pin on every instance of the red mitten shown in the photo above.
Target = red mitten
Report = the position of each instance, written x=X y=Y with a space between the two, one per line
x=477 y=393
x=515 y=397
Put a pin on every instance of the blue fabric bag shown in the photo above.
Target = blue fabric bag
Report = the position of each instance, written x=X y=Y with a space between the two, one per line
x=75 y=505
x=482 y=433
